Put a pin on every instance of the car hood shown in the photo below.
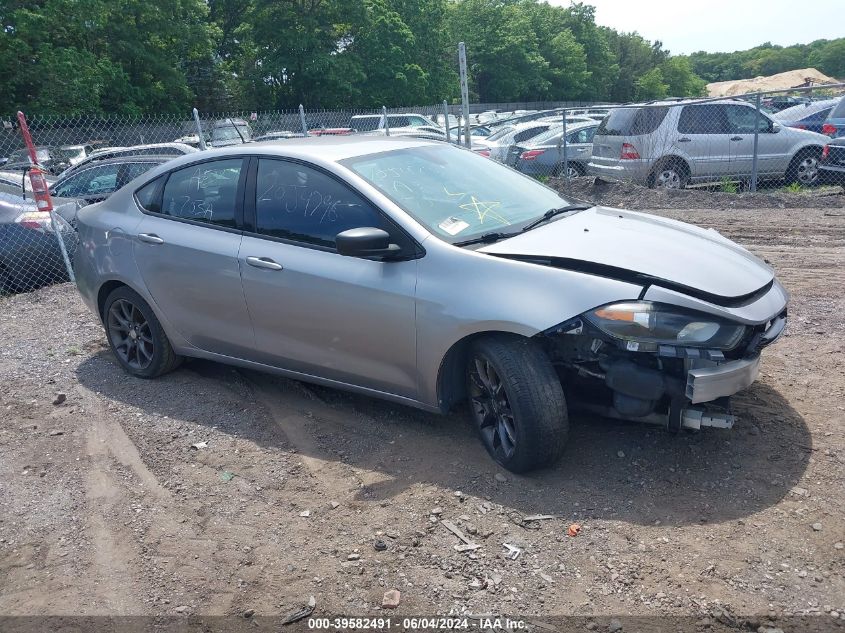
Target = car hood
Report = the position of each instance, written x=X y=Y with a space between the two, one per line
x=643 y=248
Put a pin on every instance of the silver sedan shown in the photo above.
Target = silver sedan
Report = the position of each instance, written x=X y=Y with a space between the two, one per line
x=425 y=274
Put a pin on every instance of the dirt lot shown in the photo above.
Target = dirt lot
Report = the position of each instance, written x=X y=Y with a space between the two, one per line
x=105 y=507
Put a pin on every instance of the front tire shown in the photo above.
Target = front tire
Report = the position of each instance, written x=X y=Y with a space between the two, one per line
x=135 y=335
x=517 y=402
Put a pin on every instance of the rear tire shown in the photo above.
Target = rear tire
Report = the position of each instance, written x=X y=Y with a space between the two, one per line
x=517 y=402
x=669 y=174
x=135 y=335
x=575 y=170
x=804 y=168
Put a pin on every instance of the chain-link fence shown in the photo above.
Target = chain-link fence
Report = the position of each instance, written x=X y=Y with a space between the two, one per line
x=731 y=143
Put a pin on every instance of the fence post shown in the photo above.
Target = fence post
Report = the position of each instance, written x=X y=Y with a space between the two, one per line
x=565 y=155
x=41 y=193
x=756 y=138
x=302 y=120
x=446 y=121
x=200 y=135
x=386 y=124
x=462 y=67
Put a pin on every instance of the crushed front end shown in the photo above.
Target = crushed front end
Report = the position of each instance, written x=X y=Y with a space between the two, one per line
x=658 y=362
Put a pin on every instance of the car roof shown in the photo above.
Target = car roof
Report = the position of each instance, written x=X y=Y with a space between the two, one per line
x=331 y=148
x=131 y=158
x=804 y=109
x=682 y=102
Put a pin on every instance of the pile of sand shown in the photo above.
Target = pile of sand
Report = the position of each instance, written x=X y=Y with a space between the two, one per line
x=781 y=81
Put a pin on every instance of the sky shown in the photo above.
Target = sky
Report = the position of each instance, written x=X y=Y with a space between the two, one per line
x=686 y=26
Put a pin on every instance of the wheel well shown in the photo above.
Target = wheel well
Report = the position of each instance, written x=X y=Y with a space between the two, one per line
x=668 y=160
x=105 y=290
x=579 y=167
x=451 y=379
x=810 y=149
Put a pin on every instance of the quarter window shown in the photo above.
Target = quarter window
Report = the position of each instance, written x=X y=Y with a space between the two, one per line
x=148 y=195
x=205 y=192
x=299 y=203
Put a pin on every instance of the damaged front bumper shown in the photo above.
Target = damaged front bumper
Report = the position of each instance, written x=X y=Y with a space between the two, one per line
x=674 y=386
x=705 y=384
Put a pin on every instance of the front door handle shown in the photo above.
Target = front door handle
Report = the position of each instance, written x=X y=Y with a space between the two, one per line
x=736 y=138
x=263 y=262
x=684 y=139
x=150 y=238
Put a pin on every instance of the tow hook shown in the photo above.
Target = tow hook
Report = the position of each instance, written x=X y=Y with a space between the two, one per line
x=696 y=418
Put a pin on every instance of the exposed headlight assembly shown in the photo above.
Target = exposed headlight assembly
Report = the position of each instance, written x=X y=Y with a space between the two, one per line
x=653 y=324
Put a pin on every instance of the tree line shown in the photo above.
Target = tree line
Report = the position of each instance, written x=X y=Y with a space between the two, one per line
x=137 y=57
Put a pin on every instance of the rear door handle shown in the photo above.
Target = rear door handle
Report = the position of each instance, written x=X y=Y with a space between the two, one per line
x=150 y=238
x=684 y=139
x=736 y=138
x=263 y=262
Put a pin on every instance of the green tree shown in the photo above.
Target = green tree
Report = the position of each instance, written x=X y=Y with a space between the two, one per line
x=651 y=86
x=680 y=80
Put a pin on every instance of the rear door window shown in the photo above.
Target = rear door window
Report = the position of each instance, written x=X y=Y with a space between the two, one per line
x=204 y=192
x=704 y=118
x=632 y=121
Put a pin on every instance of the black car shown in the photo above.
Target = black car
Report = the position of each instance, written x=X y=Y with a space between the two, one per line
x=96 y=181
x=832 y=163
x=54 y=160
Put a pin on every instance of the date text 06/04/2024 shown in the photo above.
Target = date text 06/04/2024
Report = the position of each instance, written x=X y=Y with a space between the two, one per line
x=415 y=623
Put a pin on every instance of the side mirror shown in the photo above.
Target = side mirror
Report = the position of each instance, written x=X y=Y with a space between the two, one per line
x=366 y=241
x=776 y=127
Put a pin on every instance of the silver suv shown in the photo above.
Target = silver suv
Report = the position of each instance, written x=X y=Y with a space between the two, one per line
x=674 y=143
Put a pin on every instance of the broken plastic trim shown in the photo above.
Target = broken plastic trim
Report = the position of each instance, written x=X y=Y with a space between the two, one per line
x=642 y=279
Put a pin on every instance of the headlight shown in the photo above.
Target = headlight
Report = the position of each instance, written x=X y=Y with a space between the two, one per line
x=660 y=324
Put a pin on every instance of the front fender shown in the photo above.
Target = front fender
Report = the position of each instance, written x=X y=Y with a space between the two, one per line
x=494 y=294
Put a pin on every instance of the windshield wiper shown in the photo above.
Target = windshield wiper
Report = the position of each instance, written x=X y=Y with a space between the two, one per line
x=494 y=236
x=548 y=215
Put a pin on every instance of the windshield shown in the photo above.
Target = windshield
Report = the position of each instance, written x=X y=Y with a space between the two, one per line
x=455 y=193
x=229 y=133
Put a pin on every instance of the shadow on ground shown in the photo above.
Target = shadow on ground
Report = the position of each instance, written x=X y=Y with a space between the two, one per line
x=610 y=470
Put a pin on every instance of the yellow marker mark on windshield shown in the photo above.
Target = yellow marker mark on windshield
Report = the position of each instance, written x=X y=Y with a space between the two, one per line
x=483 y=209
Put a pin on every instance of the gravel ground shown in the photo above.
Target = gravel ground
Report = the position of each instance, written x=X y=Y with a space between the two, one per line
x=106 y=508
x=631 y=196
